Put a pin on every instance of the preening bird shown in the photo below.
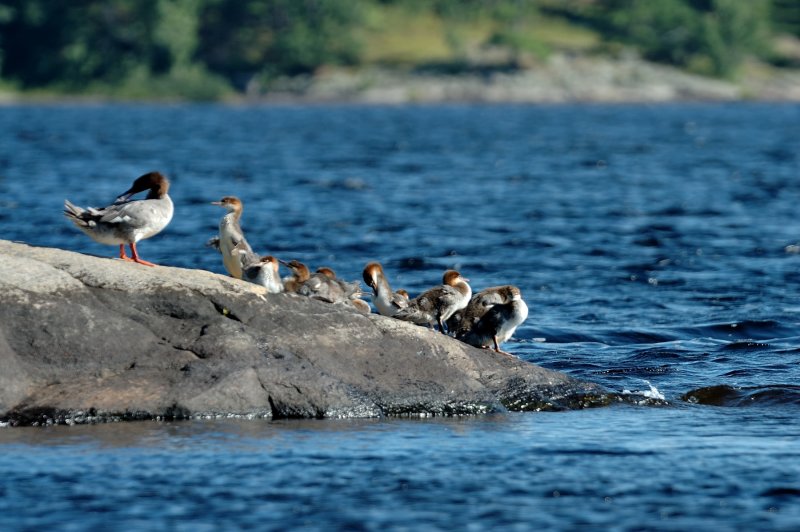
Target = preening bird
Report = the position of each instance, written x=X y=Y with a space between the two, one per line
x=127 y=221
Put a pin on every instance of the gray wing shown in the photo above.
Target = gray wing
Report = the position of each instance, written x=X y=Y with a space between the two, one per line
x=321 y=287
x=350 y=289
x=399 y=301
x=424 y=307
x=135 y=213
x=464 y=320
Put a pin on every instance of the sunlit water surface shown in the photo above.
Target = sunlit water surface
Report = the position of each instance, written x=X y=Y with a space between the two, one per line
x=654 y=246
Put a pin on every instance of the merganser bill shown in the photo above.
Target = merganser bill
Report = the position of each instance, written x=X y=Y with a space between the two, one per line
x=436 y=305
x=387 y=302
x=231 y=235
x=490 y=325
x=127 y=221
x=300 y=275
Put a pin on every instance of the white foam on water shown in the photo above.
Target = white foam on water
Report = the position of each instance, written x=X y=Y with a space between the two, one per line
x=652 y=393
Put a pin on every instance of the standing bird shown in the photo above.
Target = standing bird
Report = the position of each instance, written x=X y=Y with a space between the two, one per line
x=231 y=236
x=387 y=302
x=127 y=221
x=463 y=320
x=488 y=323
x=438 y=304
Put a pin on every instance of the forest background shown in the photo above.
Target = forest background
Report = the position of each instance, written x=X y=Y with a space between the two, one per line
x=234 y=49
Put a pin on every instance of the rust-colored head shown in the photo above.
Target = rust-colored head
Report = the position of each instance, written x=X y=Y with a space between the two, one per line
x=299 y=269
x=452 y=278
x=155 y=182
x=327 y=272
x=231 y=203
x=372 y=272
x=271 y=262
x=402 y=293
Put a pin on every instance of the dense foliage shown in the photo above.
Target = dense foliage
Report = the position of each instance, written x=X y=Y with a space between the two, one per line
x=201 y=48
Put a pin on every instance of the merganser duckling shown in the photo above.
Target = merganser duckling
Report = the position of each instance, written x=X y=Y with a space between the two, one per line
x=387 y=302
x=300 y=275
x=127 y=221
x=360 y=305
x=325 y=286
x=264 y=272
x=438 y=304
x=231 y=235
x=492 y=324
x=463 y=320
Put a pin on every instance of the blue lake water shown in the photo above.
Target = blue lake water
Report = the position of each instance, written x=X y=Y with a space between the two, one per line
x=653 y=244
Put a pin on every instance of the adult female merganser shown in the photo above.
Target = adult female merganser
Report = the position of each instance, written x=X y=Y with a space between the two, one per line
x=438 y=304
x=231 y=235
x=127 y=221
x=492 y=316
x=387 y=302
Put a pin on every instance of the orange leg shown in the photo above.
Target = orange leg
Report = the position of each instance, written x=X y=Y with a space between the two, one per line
x=122 y=254
x=136 y=256
x=497 y=348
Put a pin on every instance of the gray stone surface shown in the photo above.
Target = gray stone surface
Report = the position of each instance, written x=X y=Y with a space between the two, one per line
x=87 y=339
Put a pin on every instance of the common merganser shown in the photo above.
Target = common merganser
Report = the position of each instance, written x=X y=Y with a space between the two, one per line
x=300 y=275
x=488 y=323
x=127 y=221
x=438 y=304
x=387 y=302
x=231 y=235
x=463 y=320
x=326 y=286
x=262 y=271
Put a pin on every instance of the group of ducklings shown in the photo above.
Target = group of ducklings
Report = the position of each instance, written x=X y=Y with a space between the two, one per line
x=486 y=319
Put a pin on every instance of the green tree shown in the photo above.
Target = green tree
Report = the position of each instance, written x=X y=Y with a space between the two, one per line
x=72 y=43
x=708 y=36
x=242 y=39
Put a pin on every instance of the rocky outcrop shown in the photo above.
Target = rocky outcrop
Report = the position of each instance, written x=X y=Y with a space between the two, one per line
x=87 y=339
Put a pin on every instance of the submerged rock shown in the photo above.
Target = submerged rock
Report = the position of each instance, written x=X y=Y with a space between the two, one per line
x=87 y=339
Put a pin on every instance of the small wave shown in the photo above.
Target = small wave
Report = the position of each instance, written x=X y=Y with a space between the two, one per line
x=623 y=337
x=725 y=395
x=747 y=330
x=652 y=393
x=744 y=345
x=637 y=370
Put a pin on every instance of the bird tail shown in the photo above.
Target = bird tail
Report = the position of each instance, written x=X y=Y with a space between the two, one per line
x=76 y=214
